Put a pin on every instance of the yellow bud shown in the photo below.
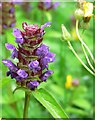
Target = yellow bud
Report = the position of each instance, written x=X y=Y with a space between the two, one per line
x=68 y=83
x=79 y=14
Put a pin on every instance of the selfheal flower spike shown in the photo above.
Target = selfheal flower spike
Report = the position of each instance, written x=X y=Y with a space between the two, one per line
x=8 y=15
x=47 y=5
x=33 y=56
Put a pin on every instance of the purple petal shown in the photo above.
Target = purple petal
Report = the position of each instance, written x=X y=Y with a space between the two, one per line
x=12 y=25
x=10 y=46
x=18 y=78
x=45 y=75
x=47 y=4
x=22 y=73
x=32 y=85
x=44 y=63
x=56 y=4
x=19 y=40
x=11 y=10
x=4 y=26
x=42 y=50
x=45 y=25
x=12 y=74
x=33 y=64
x=10 y=65
x=14 y=54
x=17 y=33
x=50 y=57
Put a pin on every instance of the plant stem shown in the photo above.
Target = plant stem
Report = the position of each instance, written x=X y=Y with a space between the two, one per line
x=80 y=59
x=88 y=59
x=26 y=105
x=83 y=41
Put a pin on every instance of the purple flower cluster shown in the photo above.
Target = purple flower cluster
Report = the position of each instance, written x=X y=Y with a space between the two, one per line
x=8 y=15
x=47 y=5
x=33 y=56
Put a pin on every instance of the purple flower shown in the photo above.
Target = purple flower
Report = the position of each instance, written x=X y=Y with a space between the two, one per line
x=34 y=65
x=11 y=10
x=33 y=56
x=32 y=85
x=12 y=24
x=22 y=73
x=10 y=65
x=10 y=46
x=18 y=35
x=44 y=63
x=50 y=57
x=45 y=75
x=45 y=25
x=8 y=15
x=18 y=78
x=56 y=4
x=47 y=5
x=19 y=40
x=12 y=74
x=4 y=26
x=14 y=54
x=42 y=50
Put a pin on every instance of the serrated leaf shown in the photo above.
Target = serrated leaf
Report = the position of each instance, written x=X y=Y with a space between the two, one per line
x=46 y=99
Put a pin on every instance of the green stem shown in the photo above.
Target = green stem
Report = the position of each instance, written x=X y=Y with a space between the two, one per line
x=88 y=59
x=26 y=105
x=80 y=59
x=83 y=41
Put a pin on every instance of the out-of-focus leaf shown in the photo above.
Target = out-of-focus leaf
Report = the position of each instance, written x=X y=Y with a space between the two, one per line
x=76 y=111
x=82 y=103
x=8 y=111
x=46 y=99
x=54 y=34
x=48 y=15
x=4 y=81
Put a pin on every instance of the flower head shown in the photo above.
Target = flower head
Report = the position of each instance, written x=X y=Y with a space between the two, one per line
x=8 y=15
x=86 y=9
x=33 y=56
x=47 y=5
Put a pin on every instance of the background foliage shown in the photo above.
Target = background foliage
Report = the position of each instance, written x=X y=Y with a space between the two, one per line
x=76 y=101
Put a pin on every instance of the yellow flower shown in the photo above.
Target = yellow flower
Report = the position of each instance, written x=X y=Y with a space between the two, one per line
x=68 y=83
x=87 y=8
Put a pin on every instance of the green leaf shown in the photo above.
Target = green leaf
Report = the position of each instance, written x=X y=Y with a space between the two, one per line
x=82 y=103
x=46 y=99
x=4 y=82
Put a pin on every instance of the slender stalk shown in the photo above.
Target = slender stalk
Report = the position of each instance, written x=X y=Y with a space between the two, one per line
x=26 y=105
x=88 y=59
x=80 y=59
x=83 y=41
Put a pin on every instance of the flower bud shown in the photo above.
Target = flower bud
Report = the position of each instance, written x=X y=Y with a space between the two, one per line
x=75 y=82
x=78 y=14
x=65 y=34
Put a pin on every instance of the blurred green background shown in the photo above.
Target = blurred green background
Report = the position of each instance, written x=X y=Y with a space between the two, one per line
x=77 y=101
